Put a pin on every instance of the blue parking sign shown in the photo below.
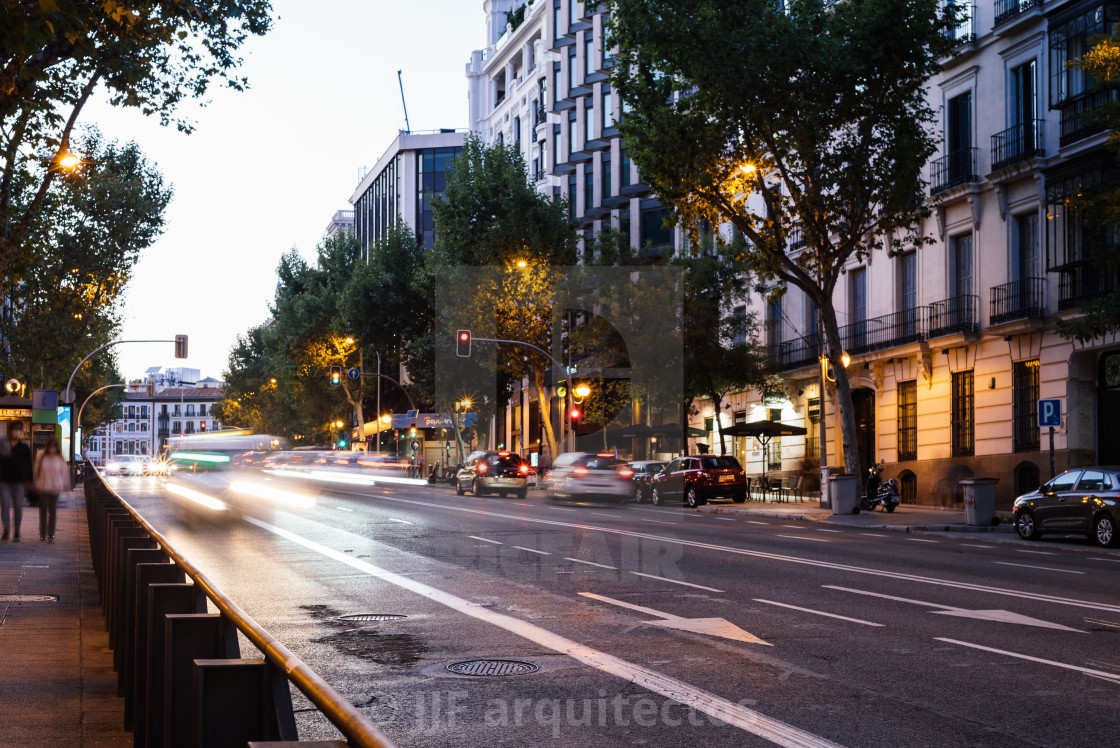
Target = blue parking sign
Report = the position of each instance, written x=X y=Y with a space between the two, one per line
x=1050 y=413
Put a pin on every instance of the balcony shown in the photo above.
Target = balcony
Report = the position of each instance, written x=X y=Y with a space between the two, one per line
x=1021 y=299
x=954 y=169
x=963 y=31
x=1018 y=143
x=1080 y=117
x=1008 y=9
x=540 y=116
x=958 y=314
x=793 y=354
x=1083 y=281
x=888 y=331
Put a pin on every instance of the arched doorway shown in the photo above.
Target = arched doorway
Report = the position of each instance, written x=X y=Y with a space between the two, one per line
x=1026 y=478
x=863 y=402
x=908 y=487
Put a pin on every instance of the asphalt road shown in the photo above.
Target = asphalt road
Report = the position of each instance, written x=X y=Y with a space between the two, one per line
x=664 y=627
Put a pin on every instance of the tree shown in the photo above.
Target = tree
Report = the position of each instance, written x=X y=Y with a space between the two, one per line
x=147 y=54
x=1099 y=206
x=806 y=116
x=490 y=216
x=93 y=226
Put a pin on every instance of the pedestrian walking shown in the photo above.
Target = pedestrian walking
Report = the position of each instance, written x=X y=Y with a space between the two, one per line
x=15 y=475
x=52 y=477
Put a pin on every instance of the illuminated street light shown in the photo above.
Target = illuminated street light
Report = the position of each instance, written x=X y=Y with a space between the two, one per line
x=748 y=169
x=338 y=424
x=349 y=341
x=582 y=390
x=68 y=160
x=845 y=359
x=521 y=263
x=386 y=418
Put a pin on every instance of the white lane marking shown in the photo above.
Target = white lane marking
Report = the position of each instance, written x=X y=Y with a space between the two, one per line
x=1000 y=616
x=531 y=550
x=605 y=514
x=804 y=537
x=401 y=521
x=817 y=612
x=522 y=503
x=730 y=519
x=795 y=527
x=343 y=509
x=742 y=717
x=557 y=508
x=821 y=529
x=591 y=563
x=1112 y=560
x=872 y=534
x=693 y=516
x=720 y=627
x=1044 y=568
x=675 y=581
x=976 y=545
x=896 y=576
x=486 y=540
x=922 y=540
x=755 y=522
x=653 y=511
x=1078 y=668
x=643 y=519
x=1037 y=553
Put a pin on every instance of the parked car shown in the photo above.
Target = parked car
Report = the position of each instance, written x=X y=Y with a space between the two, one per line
x=493 y=472
x=644 y=471
x=1083 y=501
x=585 y=475
x=696 y=480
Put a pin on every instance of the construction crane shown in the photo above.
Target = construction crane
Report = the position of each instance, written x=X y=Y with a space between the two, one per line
x=407 y=127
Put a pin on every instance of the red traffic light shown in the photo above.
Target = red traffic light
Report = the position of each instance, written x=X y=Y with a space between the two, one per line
x=463 y=344
x=575 y=414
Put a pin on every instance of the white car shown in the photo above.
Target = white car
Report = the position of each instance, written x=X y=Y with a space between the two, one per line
x=585 y=475
x=126 y=465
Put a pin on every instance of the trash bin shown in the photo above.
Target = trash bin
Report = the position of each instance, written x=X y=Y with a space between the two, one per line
x=843 y=491
x=979 y=500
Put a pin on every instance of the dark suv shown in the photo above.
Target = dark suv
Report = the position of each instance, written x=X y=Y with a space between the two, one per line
x=497 y=472
x=1083 y=501
x=695 y=480
x=644 y=473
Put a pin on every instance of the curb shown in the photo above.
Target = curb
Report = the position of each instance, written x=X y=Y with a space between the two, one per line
x=744 y=512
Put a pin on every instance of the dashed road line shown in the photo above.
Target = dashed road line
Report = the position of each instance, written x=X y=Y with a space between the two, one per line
x=1044 y=568
x=1078 y=668
x=922 y=540
x=675 y=581
x=804 y=537
x=486 y=540
x=1037 y=553
x=591 y=563
x=531 y=550
x=817 y=612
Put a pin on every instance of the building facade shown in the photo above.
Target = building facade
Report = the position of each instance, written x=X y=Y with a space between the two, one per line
x=402 y=184
x=149 y=416
x=953 y=343
x=342 y=220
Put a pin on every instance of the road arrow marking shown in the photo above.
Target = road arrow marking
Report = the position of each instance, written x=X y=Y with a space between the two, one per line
x=1001 y=616
x=712 y=626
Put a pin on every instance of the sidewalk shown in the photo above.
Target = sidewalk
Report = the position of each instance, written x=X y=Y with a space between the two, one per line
x=57 y=685
x=906 y=518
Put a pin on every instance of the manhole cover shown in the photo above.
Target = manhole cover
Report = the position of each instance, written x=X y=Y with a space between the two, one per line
x=371 y=617
x=28 y=598
x=492 y=667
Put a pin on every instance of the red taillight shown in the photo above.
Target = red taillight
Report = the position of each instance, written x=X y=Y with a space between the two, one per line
x=580 y=471
x=626 y=473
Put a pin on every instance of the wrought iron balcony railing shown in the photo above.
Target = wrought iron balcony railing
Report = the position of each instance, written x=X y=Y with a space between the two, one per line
x=1080 y=117
x=1081 y=281
x=1017 y=143
x=1008 y=9
x=887 y=331
x=953 y=169
x=957 y=314
x=963 y=30
x=1021 y=299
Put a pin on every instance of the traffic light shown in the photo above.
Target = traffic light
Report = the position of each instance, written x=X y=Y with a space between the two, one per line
x=342 y=444
x=336 y=375
x=575 y=414
x=180 y=346
x=463 y=344
x=412 y=432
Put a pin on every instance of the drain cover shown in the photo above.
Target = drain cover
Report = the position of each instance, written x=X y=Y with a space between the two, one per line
x=371 y=617
x=492 y=667
x=28 y=598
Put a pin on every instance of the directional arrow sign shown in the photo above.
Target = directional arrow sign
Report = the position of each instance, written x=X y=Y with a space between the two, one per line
x=1001 y=616
x=711 y=626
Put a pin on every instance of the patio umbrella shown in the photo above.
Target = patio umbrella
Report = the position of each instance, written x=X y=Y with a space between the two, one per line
x=636 y=431
x=764 y=431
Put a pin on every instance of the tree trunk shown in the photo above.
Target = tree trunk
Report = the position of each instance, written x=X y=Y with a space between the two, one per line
x=717 y=398
x=848 y=431
x=545 y=405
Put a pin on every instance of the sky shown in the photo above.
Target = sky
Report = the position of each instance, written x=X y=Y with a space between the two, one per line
x=266 y=169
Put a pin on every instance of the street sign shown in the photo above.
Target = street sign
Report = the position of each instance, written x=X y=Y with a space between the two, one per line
x=1050 y=413
x=353 y=373
x=415 y=444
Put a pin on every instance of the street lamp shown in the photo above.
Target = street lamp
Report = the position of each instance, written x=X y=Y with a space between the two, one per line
x=582 y=391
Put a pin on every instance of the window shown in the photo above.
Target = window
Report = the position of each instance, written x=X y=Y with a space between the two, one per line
x=175 y=427
x=1068 y=42
x=1024 y=401
x=739 y=327
x=624 y=169
x=774 y=323
x=858 y=307
x=556 y=17
x=958 y=139
x=908 y=420
x=963 y=416
x=190 y=427
x=120 y=448
x=572 y=198
x=573 y=12
x=175 y=412
x=571 y=71
x=605 y=183
x=960 y=277
x=517 y=133
x=202 y=410
x=1093 y=480
x=1025 y=262
x=608 y=112
x=131 y=411
x=908 y=292
x=588 y=187
x=654 y=228
x=588 y=120
x=557 y=77
x=190 y=411
x=132 y=427
x=143 y=426
x=588 y=54
x=624 y=222
x=1024 y=95
x=143 y=411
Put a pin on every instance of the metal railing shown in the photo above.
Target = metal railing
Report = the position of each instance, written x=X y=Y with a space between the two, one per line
x=1018 y=143
x=793 y=354
x=540 y=116
x=887 y=331
x=953 y=169
x=962 y=31
x=178 y=668
x=1021 y=299
x=1008 y=9
x=1081 y=281
x=957 y=314
x=1080 y=117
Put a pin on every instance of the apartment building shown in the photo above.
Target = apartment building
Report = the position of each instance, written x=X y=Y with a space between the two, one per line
x=401 y=186
x=952 y=344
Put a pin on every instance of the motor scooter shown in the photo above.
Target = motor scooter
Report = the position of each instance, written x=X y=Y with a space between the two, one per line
x=880 y=493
